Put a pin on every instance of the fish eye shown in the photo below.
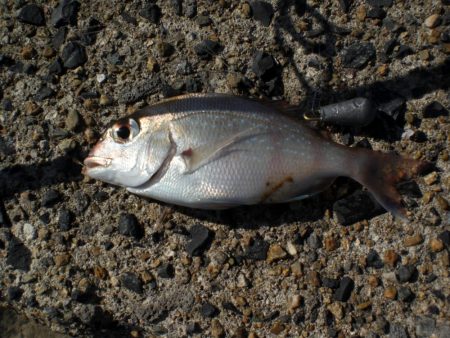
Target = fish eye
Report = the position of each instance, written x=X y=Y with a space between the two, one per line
x=124 y=132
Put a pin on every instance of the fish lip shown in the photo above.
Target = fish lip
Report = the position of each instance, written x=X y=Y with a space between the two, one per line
x=91 y=162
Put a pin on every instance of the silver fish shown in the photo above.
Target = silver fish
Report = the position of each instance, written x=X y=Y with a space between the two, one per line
x=216 y=151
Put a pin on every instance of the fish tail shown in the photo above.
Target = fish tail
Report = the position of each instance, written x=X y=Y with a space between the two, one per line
x=380 y=172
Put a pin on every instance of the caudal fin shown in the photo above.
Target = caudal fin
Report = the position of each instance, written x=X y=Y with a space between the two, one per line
x=380 y=172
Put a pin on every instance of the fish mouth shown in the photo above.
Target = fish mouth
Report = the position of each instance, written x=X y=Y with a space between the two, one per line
x=95 y=161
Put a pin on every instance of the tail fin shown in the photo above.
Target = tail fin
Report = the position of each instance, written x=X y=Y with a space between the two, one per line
x=380 y=172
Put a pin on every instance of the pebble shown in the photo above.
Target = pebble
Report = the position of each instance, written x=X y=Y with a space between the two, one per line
x=314 y=278
x=165 y=49
x=330 y=283
x=432 y=21
x=14 y=293
x=277 y=328
x=190 y=8
x=257 y=250
x=100 y=78
x=203 y=20
x=358 y=55
x=131 y=282
x=27 y=52
x=330 y=243
x=129 y=226
x=31 y=14
x=445 y=238
x=206 y=49
x=294 y=302
x=208 y=310
x=413 y=240
x=431 y=178
x=356 y=207
x=262 y=11
x=29 y=231
x=263 y=64
x=50 y=198
x=436 y=245
x=405 y=273
x=275 y=253
x=56 y=67
x=390 y=292
x=380 y=3
x=217 y=330
x=425 y=327
x=44 y=93
x=151 y=12
x=65 y=13
x=246 y=10
x=73 y=120
x=391 y=257
x=152 y=64
x=62 y=259
x=405 y=294
x=65 y=219
x=442 y=202
x=199 y=239
x=19 y=256
x=397 y=331
x=105 y=100
x=166 y=271
x=337 y=310
x=344 y=290
x=374 y=260
x=73 y=55
x=291 y=249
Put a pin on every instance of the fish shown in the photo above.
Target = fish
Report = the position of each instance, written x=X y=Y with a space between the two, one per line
x=218 y=151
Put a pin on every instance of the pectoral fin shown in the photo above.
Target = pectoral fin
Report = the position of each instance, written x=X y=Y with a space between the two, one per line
x=195 y=158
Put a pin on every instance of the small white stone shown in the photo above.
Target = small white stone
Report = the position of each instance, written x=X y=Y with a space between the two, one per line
x=101 y=78
x=291 y=249
x=242 y=281
x=29 y=231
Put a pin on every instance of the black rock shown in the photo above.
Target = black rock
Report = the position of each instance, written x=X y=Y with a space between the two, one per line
x=380 y=3
x=5 y=60
x=395 y=108
x=257 y=250
x=430 y=278
x=391 y=24
x=50 y=198
x=405 y=294
x=166 y=271
x=129 y=226
x=263 y=65
x=44 y=93
x=403 y=51
x=314 y=241
x=73 y=55
x=418 y=136
x=89 y=35
x=203 y=20
x=374 y=260
x=435 y=109
x=14 y=293
x=165 y=49
x=131 y=282
x=410 y=189
x=207 y=48
x=177 y=6
x=82 y=201
x=127 y=17
x=345 y=5
x=151 y=12
x=59 y=38
x=7 y=105
x=397 y=331
x=199 y=239
x=358 y=206
x=434 y=310
x=193 y=328
x=262 y=11
x=330 y=282
x=345 y=289
x=208 y=310
x=100 y=196
x=31 y=14
x=65 y=13
x=358 y=55
x=425 y=327
x=2 y=245
x=376 y=13
x=29 y=69
x=405 y=273
x=190 y=8
x=445 y=238
x=56 y=67
x=230 y=307
x=193 y=85
x=65 y=219
x=19 y=256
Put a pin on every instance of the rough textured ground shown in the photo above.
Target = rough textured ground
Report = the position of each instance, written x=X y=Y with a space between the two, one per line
x=72 y=257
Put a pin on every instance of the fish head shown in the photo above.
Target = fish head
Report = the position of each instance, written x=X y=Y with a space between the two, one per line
x=119 y=157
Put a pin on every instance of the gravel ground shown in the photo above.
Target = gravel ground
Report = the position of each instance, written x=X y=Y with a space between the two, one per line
x=88 y=259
